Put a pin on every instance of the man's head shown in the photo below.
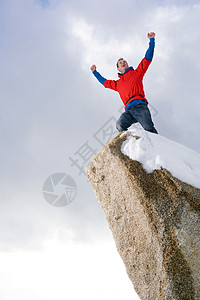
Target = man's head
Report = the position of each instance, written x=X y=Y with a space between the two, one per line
x=122 y=65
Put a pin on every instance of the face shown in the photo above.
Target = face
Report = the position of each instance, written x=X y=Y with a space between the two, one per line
x=122 y=66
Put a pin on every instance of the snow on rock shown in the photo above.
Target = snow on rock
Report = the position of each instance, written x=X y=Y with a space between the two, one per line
x=154 y=151
x=154 y=218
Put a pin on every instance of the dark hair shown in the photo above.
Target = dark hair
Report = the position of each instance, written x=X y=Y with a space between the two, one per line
x=118 y=61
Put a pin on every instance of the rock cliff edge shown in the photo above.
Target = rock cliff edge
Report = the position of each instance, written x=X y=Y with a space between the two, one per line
x=154 y=218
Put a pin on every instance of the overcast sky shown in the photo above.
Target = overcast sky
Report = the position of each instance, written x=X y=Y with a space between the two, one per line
x=52 y=108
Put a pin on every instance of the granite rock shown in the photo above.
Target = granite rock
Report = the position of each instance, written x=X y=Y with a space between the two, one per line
x=155 y=222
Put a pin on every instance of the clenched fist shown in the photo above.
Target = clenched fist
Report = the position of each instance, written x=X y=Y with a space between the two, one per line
x=93 y=68
x=151 y=35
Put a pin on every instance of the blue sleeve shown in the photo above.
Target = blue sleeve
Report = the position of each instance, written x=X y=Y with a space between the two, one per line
x=150 y=50
x=100 y=78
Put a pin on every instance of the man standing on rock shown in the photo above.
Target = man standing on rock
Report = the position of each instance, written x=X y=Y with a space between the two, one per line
x=130 y=88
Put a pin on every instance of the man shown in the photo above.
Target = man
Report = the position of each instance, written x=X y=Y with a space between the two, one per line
x=130 y=88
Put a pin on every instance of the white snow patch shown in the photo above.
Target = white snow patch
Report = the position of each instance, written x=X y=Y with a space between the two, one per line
x=155 y=152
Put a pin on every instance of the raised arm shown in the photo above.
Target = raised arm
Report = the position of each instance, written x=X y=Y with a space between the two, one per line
x=100 y=78
x=150 y=50
x=146 y=61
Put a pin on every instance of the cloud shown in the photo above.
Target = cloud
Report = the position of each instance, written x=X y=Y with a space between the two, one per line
x=175 y=60
x=51 y=104
x=56 y=271
x=96 y=45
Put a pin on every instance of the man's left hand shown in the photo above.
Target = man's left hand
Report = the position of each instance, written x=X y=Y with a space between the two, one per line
x=151 y=35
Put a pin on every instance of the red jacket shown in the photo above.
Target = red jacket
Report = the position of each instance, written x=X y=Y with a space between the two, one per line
x=130 y=85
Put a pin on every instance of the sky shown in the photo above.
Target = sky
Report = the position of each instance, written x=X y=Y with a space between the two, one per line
x=54 y=115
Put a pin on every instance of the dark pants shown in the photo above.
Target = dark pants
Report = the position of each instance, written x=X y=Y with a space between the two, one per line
x=139 y=113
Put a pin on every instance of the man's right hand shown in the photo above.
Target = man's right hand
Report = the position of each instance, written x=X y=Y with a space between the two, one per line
x=93 y=68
